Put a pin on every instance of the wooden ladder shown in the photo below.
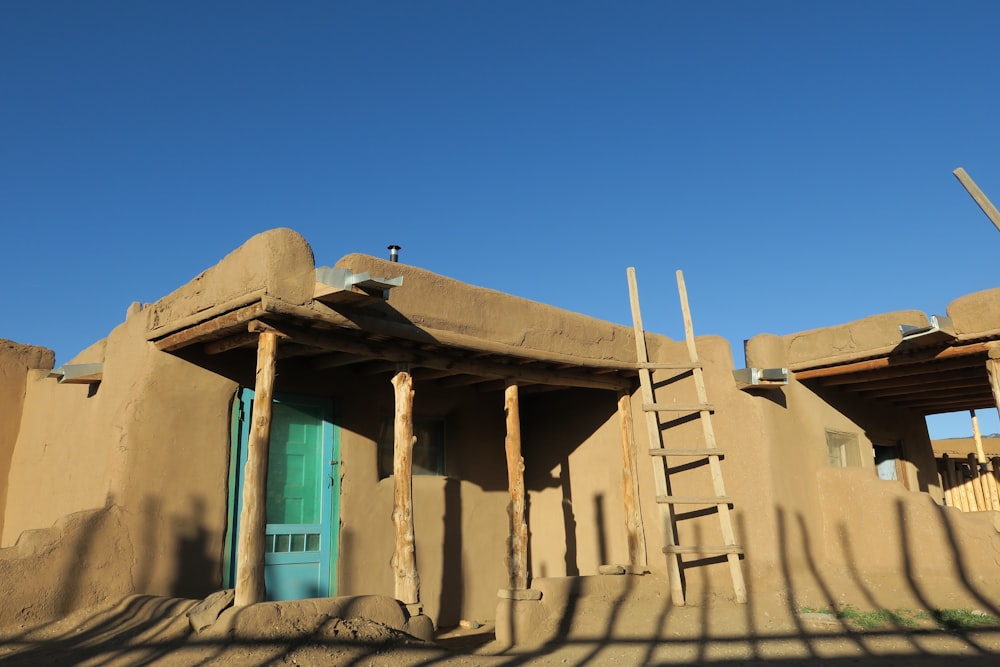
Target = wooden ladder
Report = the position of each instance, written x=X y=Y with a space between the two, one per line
x=659 y=453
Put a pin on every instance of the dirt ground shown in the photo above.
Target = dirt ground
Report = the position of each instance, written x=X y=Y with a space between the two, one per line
x=599 y=630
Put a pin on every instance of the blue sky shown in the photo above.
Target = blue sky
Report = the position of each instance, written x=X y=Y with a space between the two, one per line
x=794 y=159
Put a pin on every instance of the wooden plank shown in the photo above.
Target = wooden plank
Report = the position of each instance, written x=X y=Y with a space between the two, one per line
x=668 y=365
x=901 y=374
x=678 y=407
x=245 y=339
x=900 y=364
x=217 y=327
x=666 y=512
x=728 y=534
x=253 y=515
x=981 y=199
x=732 y=549
x=454 y=363
x=691 y=451
x=694 y=500
x=404 y=555
x=635 y=535
x=517 y=551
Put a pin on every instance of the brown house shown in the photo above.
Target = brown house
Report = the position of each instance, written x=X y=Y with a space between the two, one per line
x=140 y=466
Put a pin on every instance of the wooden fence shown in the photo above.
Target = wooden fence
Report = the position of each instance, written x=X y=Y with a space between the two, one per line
x=969 y=485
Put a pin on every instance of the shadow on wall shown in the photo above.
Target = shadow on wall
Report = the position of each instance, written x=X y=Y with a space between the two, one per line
x=633 y=623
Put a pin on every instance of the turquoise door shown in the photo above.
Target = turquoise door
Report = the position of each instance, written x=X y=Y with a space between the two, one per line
x=302 y=497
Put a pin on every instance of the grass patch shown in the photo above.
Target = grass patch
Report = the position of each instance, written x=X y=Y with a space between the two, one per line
x=880 y=618
x=963 y=619
x=950 y=620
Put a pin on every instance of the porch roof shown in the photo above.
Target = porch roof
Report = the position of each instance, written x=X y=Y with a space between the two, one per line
x=455 y=333
x=930 y=365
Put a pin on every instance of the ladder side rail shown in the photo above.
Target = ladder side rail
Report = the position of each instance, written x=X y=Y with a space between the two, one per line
x=725 y=519
x=666 y=513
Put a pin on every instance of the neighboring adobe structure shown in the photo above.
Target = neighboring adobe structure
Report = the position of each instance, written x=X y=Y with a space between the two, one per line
x=122 y=470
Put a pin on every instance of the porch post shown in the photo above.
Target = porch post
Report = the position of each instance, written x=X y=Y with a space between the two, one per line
x=993 y=371
x=517 y=545
x=404 y=556
x=634 y=531
x=253 y=515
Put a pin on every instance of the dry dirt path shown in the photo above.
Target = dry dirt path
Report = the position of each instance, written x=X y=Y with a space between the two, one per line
x=641 y=631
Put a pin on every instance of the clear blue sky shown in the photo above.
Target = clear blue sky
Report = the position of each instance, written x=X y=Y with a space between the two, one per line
x=793 y=158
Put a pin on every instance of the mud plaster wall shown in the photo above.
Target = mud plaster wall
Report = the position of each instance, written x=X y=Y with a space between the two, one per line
x=435 y=302
x=460 y=519
x=277 y=262
x=842 y=529
x=151 y=438
x=80 y=561
x=16 y=361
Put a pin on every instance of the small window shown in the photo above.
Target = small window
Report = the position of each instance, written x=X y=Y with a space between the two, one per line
x=843 y=449
x=428 y=451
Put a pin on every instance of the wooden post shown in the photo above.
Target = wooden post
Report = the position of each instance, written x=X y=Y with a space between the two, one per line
x=404 y=556
x=993 y=371
x=980 y=455
x=253 y=516
x=957 y=493
x=517 y=545
x=634 y=531
x=977 y=484
x=943 y=467
x=984 y=203
x=989 y=482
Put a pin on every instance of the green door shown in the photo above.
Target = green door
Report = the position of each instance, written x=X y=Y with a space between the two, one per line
x=302 y=497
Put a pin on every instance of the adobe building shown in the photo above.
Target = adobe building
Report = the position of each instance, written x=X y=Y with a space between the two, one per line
x=467 y=452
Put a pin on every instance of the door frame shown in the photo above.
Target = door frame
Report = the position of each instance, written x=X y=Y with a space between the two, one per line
x=239 y=435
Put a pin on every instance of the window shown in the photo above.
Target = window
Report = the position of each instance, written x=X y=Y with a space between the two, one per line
x=843 y=449
x=428 y=451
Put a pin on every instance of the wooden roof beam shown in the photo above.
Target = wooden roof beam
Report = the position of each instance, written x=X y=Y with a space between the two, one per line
x=928 y=388
x=396 y=352
x=923 y=379
x=894 y=366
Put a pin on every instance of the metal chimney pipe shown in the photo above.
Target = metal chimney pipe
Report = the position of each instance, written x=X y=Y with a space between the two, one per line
x=394 y=253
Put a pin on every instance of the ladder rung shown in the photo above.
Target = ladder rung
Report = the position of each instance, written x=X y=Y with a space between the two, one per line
x=694 y=500
x=697 y=451
x=678 y=407
x=722 y=549
x=669 y=365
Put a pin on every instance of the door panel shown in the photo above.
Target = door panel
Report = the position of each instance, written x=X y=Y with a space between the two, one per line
x=302 y=489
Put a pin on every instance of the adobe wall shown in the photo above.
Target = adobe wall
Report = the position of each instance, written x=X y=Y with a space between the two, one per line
x=842 y=532
x=434 y=302
x=277 y=262
x=84 y=559
x=151 y=438
x=16 y=361
x=575 y=508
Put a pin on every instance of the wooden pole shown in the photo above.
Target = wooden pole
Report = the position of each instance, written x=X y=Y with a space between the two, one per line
x=517 y=546
x=957 y=490
x=984 y=203
x=253 y=516
x=980 y=454
x=404 y=556
x=945 y=481
x=990 y=490
x=634 y=532
x=977 y=484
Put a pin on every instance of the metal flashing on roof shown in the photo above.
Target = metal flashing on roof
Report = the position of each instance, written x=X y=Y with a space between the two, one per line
x=760 y=378
x=939 y=329
x=79 y=373
x=338 y=285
